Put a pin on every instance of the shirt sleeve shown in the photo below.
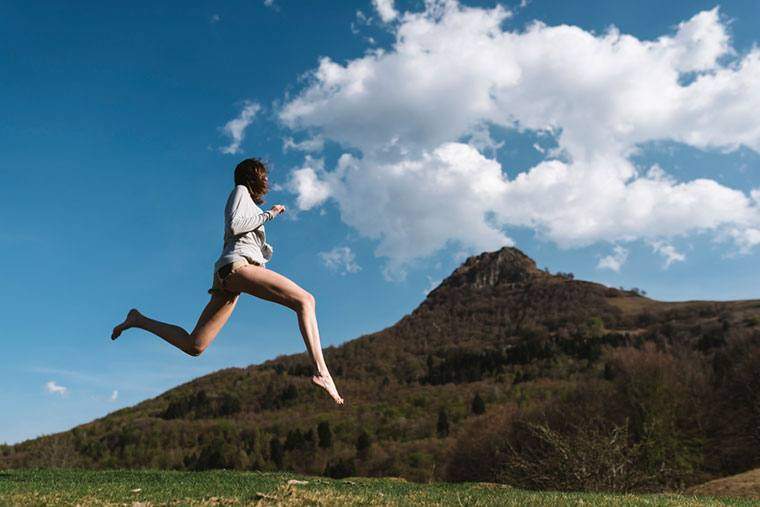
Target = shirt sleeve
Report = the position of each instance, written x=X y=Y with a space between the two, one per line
x=238 y=221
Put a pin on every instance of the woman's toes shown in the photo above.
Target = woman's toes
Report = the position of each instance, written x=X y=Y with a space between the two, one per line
x=328 y=385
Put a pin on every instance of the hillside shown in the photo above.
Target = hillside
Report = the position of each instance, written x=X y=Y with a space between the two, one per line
x=745 y=485
x=504 y=373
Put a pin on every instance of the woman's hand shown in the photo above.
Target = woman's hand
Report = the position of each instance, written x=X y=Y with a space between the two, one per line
x=277 y=209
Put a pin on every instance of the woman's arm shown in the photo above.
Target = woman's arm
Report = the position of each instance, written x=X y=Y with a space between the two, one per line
x=238 y=222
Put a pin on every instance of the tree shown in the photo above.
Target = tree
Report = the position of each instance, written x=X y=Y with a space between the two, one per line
x=340 y=468
x=363 y=443
x=309 y=439
x=478 y=405
x=325 y=435
x=219 y=454
x=294 y=441
x=201 y=404
x=276 y=451
x=290 y=393
x=443 y=423
x=230 y=405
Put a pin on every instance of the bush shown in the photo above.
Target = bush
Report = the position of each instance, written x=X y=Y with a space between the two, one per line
x=324 y=434
x=636 y=431
x=478 y=405
x=221 y=455
x=340 y=468
x=442 y=426
x=477 y=453
x=734 y=421
x=593 y=456
x=363 y=443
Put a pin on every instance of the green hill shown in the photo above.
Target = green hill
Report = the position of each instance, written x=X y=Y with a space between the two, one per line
x=504 y=373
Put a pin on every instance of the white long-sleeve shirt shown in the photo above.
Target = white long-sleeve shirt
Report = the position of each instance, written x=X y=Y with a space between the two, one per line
x=244 y=233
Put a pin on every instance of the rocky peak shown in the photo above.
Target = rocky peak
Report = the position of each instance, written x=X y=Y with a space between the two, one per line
x=505 y=266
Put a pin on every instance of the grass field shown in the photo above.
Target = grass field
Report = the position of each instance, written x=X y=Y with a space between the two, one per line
x=139 y=488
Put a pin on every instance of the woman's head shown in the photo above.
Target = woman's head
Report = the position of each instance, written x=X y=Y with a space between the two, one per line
x=252 y=173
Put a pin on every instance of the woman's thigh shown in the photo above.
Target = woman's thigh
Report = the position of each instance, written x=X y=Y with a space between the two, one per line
x=214 y=316
x=267 y=284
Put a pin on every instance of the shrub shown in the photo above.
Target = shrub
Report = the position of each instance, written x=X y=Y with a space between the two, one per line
x=340 y=468
x=325 y=435
x=478 y=405
x=593 y=456
x=442 y=426
x=363 y=444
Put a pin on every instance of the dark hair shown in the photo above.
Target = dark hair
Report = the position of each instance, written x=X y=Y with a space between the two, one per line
x=252 y=173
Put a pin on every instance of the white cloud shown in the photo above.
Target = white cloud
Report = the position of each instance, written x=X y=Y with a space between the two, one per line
x=235 y=128
x=114 y=395
x=270 y=4
x=668 y=251
x=340 y=259
x=312 y=144
x=310 y=190
x=53 y=388
x=615 y=260
x=697 y=44
x=413 y=207
x=454 y=69
x=215 y=18
x=385 y=10
x=746 y=239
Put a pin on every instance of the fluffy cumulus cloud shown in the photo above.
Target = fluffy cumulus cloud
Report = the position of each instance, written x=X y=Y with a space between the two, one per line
x=305 y=182
x=54 y=388
x=385 y=10
x=340 y=259
x=235 y=128
x=615 y=260
x=454 y=71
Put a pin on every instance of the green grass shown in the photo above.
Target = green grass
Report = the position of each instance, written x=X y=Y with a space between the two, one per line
x=148 y=487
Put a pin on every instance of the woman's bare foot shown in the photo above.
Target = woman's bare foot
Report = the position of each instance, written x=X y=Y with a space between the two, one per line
x=132 y=317
x=326 y=383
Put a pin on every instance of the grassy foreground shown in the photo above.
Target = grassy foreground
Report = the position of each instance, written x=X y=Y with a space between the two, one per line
x=138 y=488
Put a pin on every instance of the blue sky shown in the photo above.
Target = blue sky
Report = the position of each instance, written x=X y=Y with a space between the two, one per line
x=115 y=166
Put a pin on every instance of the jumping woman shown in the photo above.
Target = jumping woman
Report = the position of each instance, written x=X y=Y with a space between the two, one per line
x=242 y=268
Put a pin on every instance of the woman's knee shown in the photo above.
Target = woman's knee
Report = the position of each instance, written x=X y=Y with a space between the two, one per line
x=305 y=300
x=200 y=340
x=196 y=346
x=196 y=349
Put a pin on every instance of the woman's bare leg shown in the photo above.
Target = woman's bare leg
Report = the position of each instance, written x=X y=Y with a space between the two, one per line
x=272 y=286
x=212 y=319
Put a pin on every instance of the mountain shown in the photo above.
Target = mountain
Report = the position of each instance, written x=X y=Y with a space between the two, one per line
x=505 y=372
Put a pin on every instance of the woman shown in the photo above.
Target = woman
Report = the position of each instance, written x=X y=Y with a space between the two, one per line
x=242 y=268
